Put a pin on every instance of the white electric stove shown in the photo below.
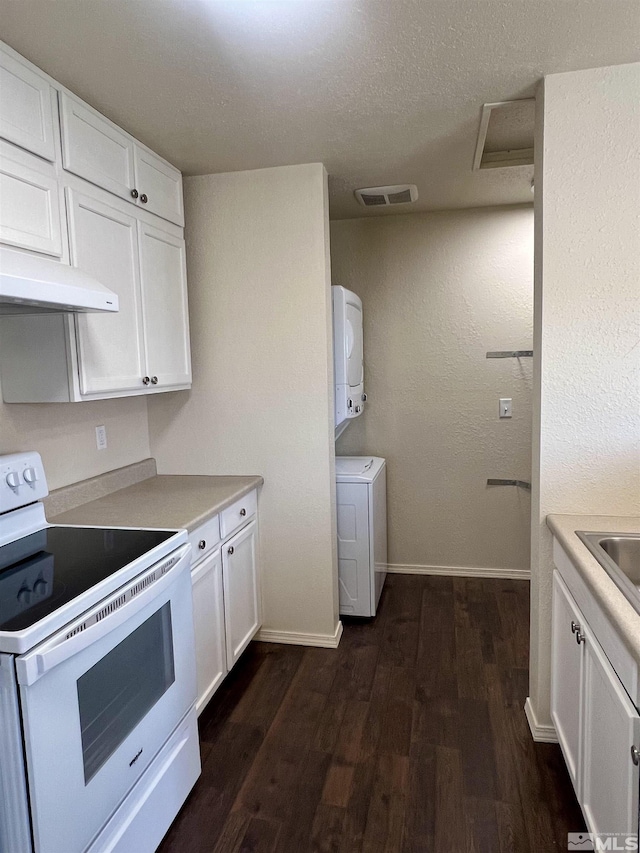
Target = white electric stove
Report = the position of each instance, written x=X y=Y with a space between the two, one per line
x=98 y=735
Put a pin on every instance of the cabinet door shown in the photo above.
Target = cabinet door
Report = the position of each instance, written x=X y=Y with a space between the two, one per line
x=208 y=620
x=241 y=591
x=354 y=549
x=611 y=727
x=164 y=299
x=110 y=346
x=94 y=149
x=159 y=185
x=26 y=116
x=567 y=659
x=29 y=202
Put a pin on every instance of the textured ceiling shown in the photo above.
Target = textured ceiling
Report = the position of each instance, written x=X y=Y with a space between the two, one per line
x=380 y=91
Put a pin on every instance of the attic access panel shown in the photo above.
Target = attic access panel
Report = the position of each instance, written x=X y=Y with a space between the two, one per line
x=505 y=136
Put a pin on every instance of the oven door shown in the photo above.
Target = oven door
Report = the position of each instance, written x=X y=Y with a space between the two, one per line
x=100 y=699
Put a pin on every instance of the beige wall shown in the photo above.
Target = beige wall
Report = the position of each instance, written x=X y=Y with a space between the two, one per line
x=587 y=386
x=64 y=435
x=439 y=291
x=259 y=292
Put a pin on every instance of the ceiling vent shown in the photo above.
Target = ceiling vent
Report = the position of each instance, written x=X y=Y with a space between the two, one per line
x=505 y=136
x=386 y=196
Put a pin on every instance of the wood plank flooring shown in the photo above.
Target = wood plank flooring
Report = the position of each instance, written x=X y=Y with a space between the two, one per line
x=409 y=738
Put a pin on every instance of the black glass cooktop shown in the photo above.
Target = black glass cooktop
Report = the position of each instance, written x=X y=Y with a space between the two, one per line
x=41 y=572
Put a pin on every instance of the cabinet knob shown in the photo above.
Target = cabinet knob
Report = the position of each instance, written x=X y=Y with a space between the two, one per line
x=635 y=755
x=145 y=380
x=230 y=549
x=243 y=512
x=134 y=193
x=154 y=380
x=202 y=544
x=143 y=198
x=580 y=637
x=574 y=627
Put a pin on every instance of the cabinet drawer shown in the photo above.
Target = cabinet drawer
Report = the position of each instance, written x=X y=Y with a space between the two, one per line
x=30 y=202
x=26 y=115
x=234 y=516
x=204 y=538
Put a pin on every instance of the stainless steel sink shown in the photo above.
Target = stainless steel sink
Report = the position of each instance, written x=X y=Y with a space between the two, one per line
x=619 y=556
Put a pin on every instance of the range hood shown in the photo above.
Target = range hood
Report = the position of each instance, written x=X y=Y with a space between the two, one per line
x=30 y=284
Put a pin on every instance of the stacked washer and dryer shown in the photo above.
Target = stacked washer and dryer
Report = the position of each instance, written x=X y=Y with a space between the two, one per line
x=361 y=484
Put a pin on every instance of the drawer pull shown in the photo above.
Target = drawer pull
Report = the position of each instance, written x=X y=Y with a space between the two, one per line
x=145 y=380
x=580 y=637
x=635 y=755
x=230 y=549
x=143 y=198
x=243 y=512
x=574 y=627
x=134 y=193
x=202 y=544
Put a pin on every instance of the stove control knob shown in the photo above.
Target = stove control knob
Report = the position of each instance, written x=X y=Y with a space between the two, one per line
x=13 y=479
x=24 y=594
x=40 y=587
x=30 y=476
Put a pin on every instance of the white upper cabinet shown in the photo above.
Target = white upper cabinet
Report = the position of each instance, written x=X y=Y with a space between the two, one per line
x=26 y=114
x=98 y=151
x=163 y=276
x=104 y=243
x=30 y=199
x=94 y=149
x=159 y=186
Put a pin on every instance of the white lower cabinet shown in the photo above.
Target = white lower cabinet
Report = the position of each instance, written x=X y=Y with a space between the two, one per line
x=241 y=592
x=597 y=724
x=226 y=598
x=208 y=621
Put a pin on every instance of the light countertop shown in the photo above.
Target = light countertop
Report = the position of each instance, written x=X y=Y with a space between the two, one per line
x=609 y=597
x=166 y=501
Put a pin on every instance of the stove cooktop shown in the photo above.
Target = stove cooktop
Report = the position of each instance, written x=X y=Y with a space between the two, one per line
x=42 y=572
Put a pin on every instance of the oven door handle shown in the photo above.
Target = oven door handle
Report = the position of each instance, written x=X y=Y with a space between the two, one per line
x=60 y=647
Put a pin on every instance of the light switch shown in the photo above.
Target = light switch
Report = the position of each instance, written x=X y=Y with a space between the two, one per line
x=506 y=407
x=101 y=437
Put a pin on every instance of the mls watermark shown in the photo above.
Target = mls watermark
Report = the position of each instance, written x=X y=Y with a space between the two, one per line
x=602 y=841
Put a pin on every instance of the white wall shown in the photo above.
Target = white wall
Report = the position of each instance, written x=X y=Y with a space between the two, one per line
x=439 y=291
x=587 y=281
x=64 y=435
x=261 y=402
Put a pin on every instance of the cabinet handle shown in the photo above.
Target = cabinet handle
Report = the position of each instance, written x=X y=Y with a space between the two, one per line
x=134 y=193
x=154 y=380
x=230 y=549
x=580 y=637
x=145 y=380
x=635 y=755
x=243 y=512
x=202 y=544
x=574 y=627
x=143 y=198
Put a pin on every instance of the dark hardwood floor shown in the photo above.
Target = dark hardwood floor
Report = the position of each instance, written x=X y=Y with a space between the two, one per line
x=411 y=736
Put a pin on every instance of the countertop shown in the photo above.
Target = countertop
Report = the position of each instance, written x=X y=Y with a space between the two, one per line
x=166 y=501
x=604 y=590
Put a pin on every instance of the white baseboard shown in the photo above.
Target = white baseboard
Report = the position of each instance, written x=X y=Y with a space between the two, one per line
x=293 y=638
x=540 y=733
x=459 y=571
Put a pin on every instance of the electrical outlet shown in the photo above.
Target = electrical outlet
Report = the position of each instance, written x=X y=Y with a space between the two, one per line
x=101 y=437
x=506 y=407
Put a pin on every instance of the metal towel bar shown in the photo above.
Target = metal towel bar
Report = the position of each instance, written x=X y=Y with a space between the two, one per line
x=513 y=353
x=522 y=484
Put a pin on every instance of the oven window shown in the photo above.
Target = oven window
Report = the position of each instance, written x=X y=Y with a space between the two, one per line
x=116 y=693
